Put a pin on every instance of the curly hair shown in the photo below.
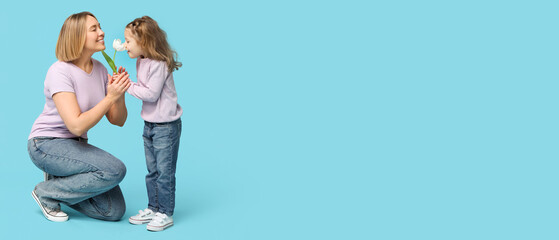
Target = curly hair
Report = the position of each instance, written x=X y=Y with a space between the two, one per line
x=153 y=40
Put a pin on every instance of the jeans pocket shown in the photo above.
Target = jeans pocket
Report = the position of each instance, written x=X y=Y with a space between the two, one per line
x=162 y=137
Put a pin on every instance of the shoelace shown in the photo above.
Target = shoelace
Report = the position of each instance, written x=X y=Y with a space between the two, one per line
x=53 y=212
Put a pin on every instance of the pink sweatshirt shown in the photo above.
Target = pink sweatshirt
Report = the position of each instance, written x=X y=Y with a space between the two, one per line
x=156 y=88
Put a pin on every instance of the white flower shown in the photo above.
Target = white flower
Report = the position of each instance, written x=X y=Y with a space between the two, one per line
x=118 y=45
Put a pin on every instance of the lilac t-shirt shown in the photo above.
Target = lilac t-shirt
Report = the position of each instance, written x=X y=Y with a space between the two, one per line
x=90 y=89
x=156 y=88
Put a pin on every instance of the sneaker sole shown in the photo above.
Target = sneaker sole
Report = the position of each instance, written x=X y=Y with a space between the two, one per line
x=48 y=216
x=159 y=228
x=138 y=222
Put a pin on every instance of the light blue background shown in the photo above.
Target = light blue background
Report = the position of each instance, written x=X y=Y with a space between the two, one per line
x=317 y=119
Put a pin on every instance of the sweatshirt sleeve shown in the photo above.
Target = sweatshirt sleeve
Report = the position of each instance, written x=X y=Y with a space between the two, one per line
x=151 y=90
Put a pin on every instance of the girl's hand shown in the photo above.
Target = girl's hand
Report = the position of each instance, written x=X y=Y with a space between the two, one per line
x=120 y=71
x=118 y=86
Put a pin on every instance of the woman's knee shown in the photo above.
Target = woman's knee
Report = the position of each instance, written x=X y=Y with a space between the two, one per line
x=115 y=172
x=118 y=207
x=115 y=215
x=108 y=206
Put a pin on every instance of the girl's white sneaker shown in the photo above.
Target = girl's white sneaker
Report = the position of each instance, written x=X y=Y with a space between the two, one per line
x=143 y=216
x=160 y=222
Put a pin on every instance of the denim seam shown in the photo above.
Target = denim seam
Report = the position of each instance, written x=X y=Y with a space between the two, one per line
x=170 y=177
x=65 y=158
x=174 y=157
x=169 y=168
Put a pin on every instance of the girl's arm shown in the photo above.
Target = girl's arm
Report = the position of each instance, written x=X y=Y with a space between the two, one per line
x=154 y=86
x=77 y=122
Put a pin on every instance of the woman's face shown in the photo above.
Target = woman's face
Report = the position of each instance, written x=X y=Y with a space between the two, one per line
x=132 y=46
x=94 y=35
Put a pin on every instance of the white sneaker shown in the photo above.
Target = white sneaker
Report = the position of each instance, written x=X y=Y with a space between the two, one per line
x=143 y=216
x=50 y=214
x=160 y=222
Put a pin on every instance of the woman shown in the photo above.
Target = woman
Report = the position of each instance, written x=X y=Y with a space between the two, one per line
x=78 y=94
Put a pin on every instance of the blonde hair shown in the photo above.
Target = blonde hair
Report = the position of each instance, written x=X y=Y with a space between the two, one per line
x=153 y=41
x=72 y=37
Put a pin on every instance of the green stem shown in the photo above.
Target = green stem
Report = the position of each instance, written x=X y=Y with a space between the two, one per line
x=109 y=61
x=114 y=57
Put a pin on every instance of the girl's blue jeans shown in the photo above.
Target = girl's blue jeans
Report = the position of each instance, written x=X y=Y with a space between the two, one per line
x=161 y=144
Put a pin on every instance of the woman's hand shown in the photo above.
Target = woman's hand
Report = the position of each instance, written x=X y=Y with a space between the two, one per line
x=118 y=84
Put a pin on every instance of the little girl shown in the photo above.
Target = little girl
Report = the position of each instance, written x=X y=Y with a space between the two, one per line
x=161 y=113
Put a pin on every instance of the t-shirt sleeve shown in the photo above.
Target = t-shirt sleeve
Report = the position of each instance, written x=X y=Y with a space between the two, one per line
x=56 y=81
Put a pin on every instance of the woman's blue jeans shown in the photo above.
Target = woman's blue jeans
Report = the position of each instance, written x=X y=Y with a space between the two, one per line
x=161 y=144
x=85 y=178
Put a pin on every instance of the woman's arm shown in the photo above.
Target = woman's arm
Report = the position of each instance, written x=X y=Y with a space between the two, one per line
x=77 y=122
x=117 y=114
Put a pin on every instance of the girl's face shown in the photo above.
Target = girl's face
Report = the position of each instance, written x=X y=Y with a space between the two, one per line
x=94 y=35
x=132 y=46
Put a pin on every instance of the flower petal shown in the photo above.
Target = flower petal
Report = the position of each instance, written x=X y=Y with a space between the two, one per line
x=118 y=45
